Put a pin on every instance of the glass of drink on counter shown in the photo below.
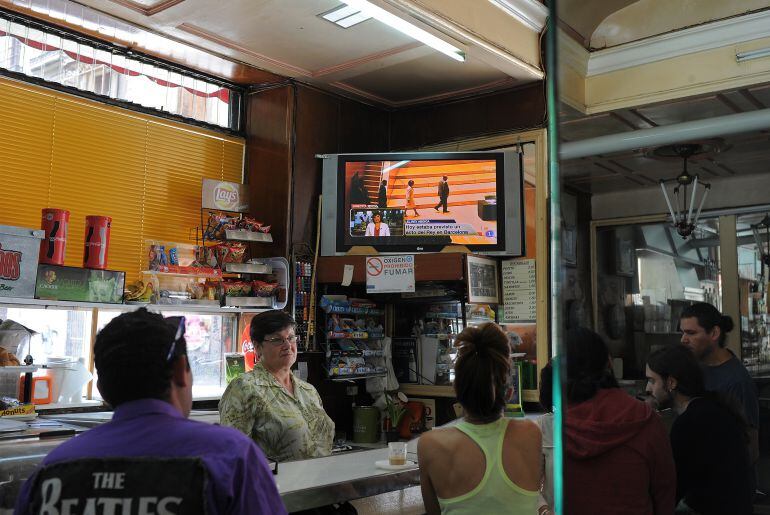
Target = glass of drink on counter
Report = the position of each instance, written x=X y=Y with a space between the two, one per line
x=397 y=453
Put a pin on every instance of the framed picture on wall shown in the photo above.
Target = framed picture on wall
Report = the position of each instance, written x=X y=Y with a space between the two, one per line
x=482 y=281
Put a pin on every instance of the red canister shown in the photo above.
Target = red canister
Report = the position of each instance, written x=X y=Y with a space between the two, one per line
x=97 y=242
x=55 y=224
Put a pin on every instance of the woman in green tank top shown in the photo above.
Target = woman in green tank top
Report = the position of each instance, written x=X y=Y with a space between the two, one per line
x=485 y=464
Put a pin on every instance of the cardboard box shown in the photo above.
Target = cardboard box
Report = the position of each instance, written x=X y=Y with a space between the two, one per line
x=19 y=249
x=24 y=410
x=56 y=282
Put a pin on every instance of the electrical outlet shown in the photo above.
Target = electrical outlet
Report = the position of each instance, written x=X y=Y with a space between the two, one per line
x=351 y=390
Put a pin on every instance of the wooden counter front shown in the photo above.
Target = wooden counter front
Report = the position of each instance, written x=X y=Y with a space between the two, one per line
x=427 y=267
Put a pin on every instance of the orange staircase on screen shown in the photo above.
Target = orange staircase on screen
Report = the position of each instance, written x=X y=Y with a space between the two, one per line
x=469 y=182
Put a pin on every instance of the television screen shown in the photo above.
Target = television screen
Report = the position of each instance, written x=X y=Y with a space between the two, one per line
x=424 y=201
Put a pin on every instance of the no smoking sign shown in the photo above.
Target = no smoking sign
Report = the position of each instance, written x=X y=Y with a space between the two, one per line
x=390 y=274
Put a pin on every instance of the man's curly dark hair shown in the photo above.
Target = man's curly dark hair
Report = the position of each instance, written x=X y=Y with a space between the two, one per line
x=131 y=355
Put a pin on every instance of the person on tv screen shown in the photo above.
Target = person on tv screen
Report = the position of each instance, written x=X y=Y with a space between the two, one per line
x=358 y=194
x=382 y=195
x=377 y=227
x=410 y=203
x=443 y=194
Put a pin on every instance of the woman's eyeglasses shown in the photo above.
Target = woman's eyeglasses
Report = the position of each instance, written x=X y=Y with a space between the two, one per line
x=279 y=340
x=180 y=328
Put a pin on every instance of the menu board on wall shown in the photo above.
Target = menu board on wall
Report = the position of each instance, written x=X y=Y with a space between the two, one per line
x=519 y=291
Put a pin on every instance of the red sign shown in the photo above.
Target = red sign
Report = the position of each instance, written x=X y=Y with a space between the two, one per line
x=10 y=264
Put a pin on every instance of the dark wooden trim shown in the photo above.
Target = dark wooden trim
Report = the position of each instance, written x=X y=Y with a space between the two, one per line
x=448 y=266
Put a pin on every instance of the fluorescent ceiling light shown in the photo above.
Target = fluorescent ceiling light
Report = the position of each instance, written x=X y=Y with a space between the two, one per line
x=345 y=16
x=752 y=54
x=353 y=20
x=407 y=28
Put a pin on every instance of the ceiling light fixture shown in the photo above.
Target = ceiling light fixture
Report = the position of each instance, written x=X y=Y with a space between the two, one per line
x=752 y=54
x=345 y=16
x=682 y=219
x=407 y=28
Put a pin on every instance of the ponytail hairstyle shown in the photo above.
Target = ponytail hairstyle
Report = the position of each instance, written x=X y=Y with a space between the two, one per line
x=588 y=369
x=709 y=317
x=482 y=370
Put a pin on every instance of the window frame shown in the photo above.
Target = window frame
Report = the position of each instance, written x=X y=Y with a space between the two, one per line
x=236 y=92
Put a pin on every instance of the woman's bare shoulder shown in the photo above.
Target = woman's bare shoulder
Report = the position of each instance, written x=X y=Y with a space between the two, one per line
x=437 y=439
x=524 y=428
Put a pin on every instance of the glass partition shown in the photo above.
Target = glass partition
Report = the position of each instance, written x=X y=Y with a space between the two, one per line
x=752 y=293
x=645 y=275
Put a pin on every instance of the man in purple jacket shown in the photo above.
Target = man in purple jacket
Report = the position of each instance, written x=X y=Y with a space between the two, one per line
x=150 y=458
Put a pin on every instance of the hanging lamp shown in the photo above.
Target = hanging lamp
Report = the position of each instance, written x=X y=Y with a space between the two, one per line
x=685 y=193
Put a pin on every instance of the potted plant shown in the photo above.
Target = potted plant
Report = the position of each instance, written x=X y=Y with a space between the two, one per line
x=395 y=409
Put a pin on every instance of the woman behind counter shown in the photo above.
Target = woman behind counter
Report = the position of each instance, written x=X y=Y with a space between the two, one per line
x=280 y=412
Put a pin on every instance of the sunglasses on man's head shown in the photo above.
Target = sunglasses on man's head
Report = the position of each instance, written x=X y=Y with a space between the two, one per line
x=179 y=323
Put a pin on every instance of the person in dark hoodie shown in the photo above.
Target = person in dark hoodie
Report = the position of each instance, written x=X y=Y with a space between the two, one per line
x=617 y=457
x=709 y=436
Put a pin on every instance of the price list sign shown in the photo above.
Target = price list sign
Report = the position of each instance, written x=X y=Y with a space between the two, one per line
x=519 y=291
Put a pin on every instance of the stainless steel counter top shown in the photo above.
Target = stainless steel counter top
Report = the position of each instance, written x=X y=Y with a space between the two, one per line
x=303 y=484
x=306 y=484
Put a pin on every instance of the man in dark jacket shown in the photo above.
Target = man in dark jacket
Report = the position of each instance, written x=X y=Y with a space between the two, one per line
x=708 y=438
x=382 y=195
x=704 y=332
x=443 y=194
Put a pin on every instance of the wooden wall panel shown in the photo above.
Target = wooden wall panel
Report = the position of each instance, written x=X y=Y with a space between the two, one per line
x=284 y=136
x=363 y=128
x=268 y=163
x=327 y=124
x=505 y=111
x=317 y=132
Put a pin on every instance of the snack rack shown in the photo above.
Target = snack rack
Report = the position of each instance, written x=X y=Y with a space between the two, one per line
x=353 y=332
x=226 y=237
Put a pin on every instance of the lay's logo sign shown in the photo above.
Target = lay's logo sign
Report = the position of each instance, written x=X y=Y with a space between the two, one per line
x=10 y=264
x=226 y=196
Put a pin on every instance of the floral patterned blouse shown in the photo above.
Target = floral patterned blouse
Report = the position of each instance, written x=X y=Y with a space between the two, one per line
x=285 y=427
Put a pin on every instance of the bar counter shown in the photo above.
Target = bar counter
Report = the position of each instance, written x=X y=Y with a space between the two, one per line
x=303 y=484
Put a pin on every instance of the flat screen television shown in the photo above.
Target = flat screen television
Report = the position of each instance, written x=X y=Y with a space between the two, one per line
x=422 y=202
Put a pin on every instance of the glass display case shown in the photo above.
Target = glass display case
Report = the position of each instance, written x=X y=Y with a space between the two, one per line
x=64 y=334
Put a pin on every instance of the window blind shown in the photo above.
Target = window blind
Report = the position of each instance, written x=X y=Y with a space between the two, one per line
x=64 y=152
